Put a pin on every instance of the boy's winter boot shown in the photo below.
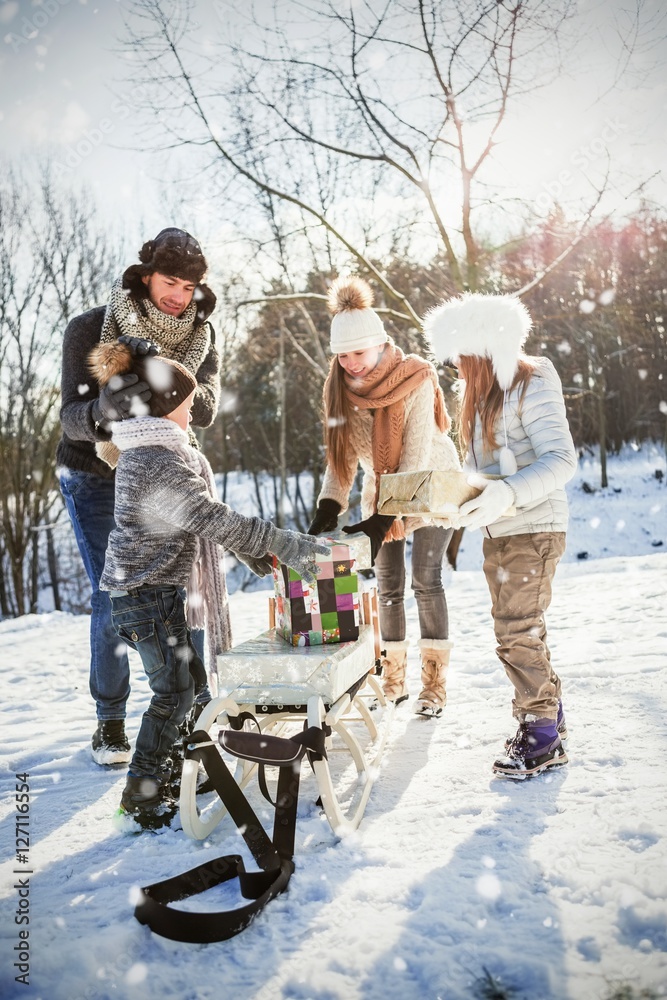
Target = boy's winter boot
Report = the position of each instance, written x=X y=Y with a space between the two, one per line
x=435 y=655
x=535 y=748
x=177 y=754
x=147 y=799
x=561 y=725
x=394 y=660
x=110 y=745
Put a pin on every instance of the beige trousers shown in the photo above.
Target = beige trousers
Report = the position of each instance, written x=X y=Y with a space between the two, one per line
x=519 y=570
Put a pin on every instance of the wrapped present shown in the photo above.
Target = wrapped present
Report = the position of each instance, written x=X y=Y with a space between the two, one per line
x=329 y=611
x=429 y=492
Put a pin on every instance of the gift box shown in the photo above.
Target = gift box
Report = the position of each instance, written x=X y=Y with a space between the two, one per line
x=428 y=492
x=329 y=611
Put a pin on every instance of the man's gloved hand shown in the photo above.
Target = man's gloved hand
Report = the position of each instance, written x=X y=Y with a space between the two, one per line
x=259 y=565
x=493 y=501
x=326 y=517
x=123 y=396
x=298 y=552
x=139 y=348
x=376 y=527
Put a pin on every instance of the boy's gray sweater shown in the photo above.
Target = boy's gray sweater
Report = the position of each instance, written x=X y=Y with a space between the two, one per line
x=161 y=506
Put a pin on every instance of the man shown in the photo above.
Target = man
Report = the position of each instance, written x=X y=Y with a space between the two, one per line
x=160 y=301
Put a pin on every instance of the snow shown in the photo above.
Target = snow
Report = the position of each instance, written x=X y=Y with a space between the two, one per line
x=556 y=887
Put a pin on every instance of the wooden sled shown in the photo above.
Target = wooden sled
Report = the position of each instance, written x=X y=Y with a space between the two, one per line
x=283 y=687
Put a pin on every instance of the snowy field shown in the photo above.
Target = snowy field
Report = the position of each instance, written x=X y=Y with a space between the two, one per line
x=457 y=885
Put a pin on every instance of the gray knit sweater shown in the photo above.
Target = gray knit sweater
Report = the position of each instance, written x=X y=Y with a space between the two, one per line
x=161 y=506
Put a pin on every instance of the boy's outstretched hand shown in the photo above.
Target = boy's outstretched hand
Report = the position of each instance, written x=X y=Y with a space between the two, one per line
x=298 y=551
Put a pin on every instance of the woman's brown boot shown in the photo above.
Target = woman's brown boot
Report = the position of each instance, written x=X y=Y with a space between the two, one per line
x=394 y=665
x=435 y=660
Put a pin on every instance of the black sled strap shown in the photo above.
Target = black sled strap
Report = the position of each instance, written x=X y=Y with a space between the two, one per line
x=274 y=857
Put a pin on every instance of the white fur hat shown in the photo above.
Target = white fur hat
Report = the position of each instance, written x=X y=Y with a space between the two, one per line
x=355 y=326
x=491 y=326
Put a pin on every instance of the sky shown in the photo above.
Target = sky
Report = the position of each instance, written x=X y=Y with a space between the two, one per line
x=64 y=94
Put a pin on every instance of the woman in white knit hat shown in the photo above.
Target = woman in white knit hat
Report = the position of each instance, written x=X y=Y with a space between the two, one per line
x=385 y=410
x=513 y=423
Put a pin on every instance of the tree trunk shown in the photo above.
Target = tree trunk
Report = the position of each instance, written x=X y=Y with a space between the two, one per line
x=5 y=609
x=282 y=443
x=260 y=507
x=52 y=561
x=34 y=573
x=602 y=433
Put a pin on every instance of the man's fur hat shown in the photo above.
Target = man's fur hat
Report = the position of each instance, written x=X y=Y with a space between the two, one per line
x=490 y=326
x=176 y=253
x=169 y=381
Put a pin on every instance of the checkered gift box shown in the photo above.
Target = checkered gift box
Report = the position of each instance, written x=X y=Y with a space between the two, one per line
x=327 y=612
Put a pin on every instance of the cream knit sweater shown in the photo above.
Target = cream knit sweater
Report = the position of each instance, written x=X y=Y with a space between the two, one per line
x=424 y=447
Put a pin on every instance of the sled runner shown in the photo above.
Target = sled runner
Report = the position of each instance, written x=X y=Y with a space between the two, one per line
x=272 y=689
x=279 y=705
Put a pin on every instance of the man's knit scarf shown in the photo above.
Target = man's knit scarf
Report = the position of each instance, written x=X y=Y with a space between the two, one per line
x=384 y=390
x=178 y=336
x=208 y=605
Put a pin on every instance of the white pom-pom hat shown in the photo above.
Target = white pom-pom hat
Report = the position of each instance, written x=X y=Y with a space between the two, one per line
x=355 y=326
x=491 y=326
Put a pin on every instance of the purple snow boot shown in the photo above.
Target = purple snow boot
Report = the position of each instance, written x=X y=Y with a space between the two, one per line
x=561 y=725
x=535 y=748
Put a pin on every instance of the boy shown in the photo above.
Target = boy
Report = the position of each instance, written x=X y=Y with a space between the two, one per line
x=169 y=526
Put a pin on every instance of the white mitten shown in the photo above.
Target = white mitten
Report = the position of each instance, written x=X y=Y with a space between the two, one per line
x=491 y=504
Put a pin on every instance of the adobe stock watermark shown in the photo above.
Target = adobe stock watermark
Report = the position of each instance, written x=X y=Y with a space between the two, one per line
x=30 y=27
x=76 y=152
x=580 y=159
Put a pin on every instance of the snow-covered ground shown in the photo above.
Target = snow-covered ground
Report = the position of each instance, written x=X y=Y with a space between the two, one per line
x=456 y=880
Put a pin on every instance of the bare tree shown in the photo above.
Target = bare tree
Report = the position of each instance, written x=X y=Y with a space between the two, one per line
x=51 y=265
x=342 y=113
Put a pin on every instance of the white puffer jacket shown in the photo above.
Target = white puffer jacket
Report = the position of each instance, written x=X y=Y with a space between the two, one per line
x=424 y=447
x=539 y=437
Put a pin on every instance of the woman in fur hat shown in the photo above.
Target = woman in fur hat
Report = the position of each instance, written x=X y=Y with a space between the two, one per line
x=160 y=303
x=385 y=410
x=166 y=544
x=513 y=423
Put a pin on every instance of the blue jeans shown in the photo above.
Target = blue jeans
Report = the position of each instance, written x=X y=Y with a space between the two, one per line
x=89 y=500
x=152 y=621
x=429 y=545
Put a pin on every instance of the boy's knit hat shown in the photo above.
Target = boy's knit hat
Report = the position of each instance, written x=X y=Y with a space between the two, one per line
x=487 y=326
x=355 y=326
x=169 y=381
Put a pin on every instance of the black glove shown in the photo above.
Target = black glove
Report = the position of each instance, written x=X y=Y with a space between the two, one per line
x=116 y=400
x=259 y=565
x=376 y=527
x=326 y=517
x=139 y=347
x=298 y=552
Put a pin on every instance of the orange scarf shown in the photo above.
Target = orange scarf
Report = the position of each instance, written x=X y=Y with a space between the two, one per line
x=384 y=390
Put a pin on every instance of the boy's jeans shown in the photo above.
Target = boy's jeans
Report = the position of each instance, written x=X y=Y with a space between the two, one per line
x=429 y=545
x=152 y=621
x=89 y=500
